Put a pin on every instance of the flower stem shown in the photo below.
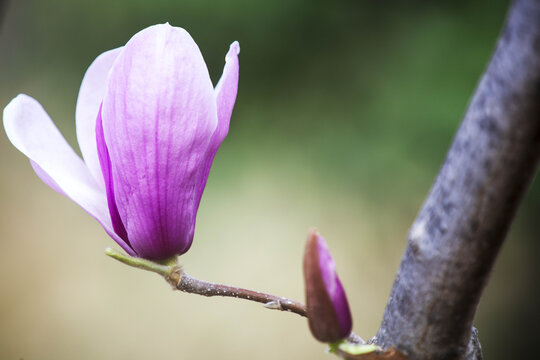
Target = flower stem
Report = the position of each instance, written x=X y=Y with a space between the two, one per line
x=175 y=275
x=140 y=263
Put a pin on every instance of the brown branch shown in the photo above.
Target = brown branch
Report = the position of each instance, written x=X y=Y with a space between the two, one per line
x=180 y=280
x=175 y=275
x=457 y=235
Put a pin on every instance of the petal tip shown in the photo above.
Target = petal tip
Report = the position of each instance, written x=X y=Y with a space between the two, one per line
x=14 y=110
x=16 y=99
x=313 y=234
x=234 y=49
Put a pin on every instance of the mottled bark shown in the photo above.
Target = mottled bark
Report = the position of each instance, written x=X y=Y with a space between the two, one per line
x=454 y=242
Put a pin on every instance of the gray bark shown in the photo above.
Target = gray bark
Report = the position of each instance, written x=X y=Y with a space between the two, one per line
x=456 y=237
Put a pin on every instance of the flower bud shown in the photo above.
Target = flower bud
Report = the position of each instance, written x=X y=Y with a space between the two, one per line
x=328 y=312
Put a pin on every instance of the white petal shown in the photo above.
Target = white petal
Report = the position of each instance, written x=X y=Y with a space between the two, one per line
x=90 y=96
x=32 y=131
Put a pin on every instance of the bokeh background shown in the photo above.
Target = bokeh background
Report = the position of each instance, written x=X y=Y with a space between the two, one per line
x=344 y=115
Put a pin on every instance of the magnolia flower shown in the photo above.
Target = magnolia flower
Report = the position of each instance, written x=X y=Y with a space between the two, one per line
x=328 y=312
x=149 y=123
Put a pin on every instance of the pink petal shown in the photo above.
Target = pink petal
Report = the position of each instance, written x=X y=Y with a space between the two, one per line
x=105 y=162
x=334 y=287
x=90 y=97
x=159 y=113
x=32 y=131
x=226 y=90
x=46 y=178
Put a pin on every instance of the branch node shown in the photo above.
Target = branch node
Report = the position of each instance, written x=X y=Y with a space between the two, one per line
x=174 y=277
x=274 y=305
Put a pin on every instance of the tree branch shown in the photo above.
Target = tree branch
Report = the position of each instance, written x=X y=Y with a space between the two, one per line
x=180 y=280
x=175 y=275
x=457 y=235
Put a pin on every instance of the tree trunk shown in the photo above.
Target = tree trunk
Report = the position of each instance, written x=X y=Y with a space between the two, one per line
x=456 y=237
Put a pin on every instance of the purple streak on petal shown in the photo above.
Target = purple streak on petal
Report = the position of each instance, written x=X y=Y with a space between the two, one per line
x=159 y=112
x=88 y=103
x=226 y=90
x=46 y=178
x=334 y=287
x=105 y=163
x=32 y=132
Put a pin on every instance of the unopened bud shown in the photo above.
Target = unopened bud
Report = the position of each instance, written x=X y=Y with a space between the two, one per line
x=328 y=310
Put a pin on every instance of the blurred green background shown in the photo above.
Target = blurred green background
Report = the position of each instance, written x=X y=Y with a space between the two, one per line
x=344 y=115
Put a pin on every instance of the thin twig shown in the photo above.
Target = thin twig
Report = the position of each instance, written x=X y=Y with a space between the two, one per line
x=180 y=280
